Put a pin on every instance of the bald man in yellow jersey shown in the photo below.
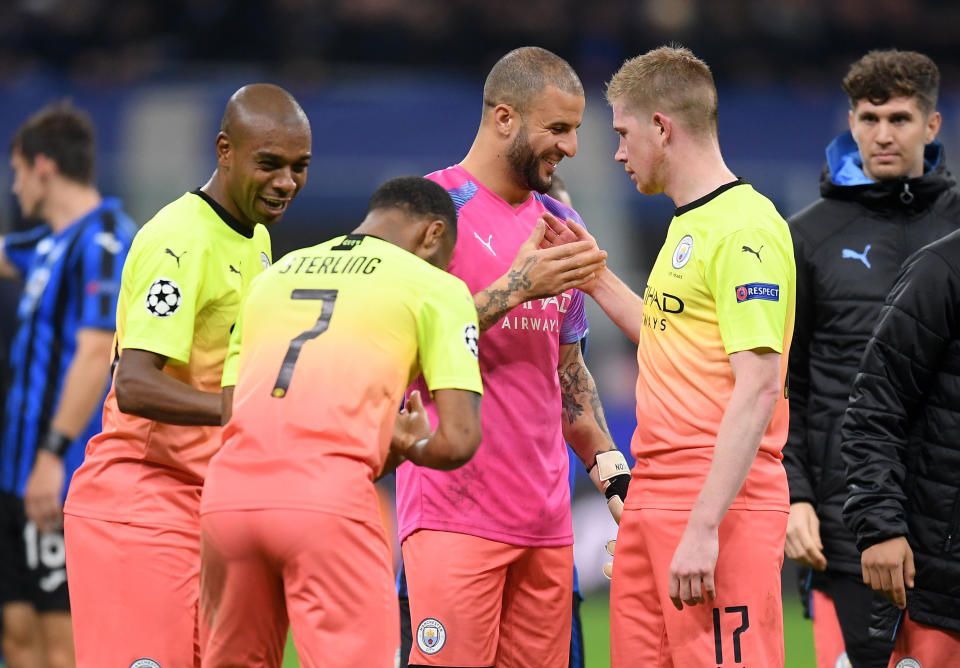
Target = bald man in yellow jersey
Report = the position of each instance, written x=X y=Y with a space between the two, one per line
x=327 y=342
x=132 y=524
x=696 y=578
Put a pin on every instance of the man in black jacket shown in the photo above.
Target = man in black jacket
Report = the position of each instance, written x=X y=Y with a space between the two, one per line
x=885 y=192
x=902 y=456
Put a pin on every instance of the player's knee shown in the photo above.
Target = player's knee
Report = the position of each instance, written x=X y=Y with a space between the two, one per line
x=59 y=657
x=20 y=644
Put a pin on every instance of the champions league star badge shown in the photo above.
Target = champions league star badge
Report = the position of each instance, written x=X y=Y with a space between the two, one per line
x=163 y=298
x=683 y=251
x=431 y=636
x=264 y=260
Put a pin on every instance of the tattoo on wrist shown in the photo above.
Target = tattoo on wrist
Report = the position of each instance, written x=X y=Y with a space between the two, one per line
x=497 y=302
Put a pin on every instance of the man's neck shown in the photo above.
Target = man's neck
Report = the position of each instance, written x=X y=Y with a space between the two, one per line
x=696 y=172
x=68 y=202
x=491 y=168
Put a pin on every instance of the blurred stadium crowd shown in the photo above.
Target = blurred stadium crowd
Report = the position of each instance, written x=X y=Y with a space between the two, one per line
x=744 y=40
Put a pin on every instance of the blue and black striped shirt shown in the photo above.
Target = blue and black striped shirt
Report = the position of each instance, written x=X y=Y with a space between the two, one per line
x=72 y=280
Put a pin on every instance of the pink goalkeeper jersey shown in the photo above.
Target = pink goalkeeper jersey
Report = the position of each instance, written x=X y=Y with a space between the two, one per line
x=515 y=489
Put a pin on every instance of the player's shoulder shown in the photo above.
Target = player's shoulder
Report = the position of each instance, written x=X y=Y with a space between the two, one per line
x=557 y=208
x=746 y=209
x=183 y=223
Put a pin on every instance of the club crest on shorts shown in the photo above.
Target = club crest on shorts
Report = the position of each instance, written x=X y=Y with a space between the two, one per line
x=843 y=661
x=683 y=251
x=470 y=336
x=908 y=662
x=163 y=298
x=431 y=636
x=145 y=663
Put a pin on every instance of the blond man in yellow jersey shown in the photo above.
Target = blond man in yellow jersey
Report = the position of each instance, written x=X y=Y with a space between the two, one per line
x=696 y=579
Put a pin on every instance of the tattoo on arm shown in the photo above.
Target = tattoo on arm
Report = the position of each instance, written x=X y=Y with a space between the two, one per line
x=578 y=389
x=492 y=304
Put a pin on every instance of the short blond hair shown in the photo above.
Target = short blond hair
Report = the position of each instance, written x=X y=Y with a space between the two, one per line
x=672 y=80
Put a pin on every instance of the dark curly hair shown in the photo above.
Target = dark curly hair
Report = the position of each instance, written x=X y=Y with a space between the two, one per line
x=880 y=75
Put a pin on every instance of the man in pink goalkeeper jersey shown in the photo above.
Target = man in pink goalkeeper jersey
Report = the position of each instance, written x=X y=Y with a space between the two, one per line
x=487 y=549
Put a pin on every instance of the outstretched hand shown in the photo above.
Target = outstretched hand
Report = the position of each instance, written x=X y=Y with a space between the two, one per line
x=559 y=233
x=542 y=269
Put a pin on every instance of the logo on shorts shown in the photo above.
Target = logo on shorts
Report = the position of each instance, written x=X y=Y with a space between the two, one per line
x=843 y=661
x=909 y=662
x=683 y=251
x=144 y=663
x=470 y=336
x=163 y=298
x=431 y=636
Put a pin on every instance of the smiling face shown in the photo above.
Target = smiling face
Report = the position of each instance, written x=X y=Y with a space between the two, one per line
x=547 y=134
x=891 y=137
x=265 y=166
x=639 y=149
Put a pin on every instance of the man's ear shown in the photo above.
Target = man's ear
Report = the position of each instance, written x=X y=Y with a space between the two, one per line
x=224 y=149
x=933 y=127
x=44 y=166
x=664 y=127
x=505 y=119
x=433 y=234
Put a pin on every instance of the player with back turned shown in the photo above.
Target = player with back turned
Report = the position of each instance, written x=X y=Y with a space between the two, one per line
x=132 y=515
x=352 y=322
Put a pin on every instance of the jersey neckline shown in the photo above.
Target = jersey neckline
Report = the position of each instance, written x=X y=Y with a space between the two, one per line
x=680 y=210
x=232 y=222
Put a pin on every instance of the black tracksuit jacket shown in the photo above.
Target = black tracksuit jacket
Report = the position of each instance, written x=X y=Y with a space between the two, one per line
x=901 y=431
x=849 y=247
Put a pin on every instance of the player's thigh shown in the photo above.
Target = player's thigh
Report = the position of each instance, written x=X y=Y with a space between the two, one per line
x=922 y=646
x=744 y=624
x=339 y=589
x=134 y=592
x=243 y=619
x=827 y=637
x=455 y=584
x=535 y=619
x=637 y=630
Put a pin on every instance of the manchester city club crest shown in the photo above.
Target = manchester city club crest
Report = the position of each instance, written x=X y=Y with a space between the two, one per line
x=431 y=636
x=144 y=663
x=908 y=662
x=683 y=251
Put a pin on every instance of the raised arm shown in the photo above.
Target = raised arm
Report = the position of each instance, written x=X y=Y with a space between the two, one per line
x=621 y=304
x=538 y=272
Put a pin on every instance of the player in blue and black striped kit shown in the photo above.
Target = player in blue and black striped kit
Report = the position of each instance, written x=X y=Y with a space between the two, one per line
x=59 y=366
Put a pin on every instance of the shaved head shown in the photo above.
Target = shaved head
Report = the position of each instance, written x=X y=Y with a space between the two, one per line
x=521 y=75
x=263 y=151
x=256 y=104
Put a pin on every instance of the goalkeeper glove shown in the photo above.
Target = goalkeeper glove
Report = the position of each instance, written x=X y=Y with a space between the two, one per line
x=611 y=475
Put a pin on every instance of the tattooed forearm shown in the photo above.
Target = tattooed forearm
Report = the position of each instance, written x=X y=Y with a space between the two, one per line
x=493 y=303
x=578 y=389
